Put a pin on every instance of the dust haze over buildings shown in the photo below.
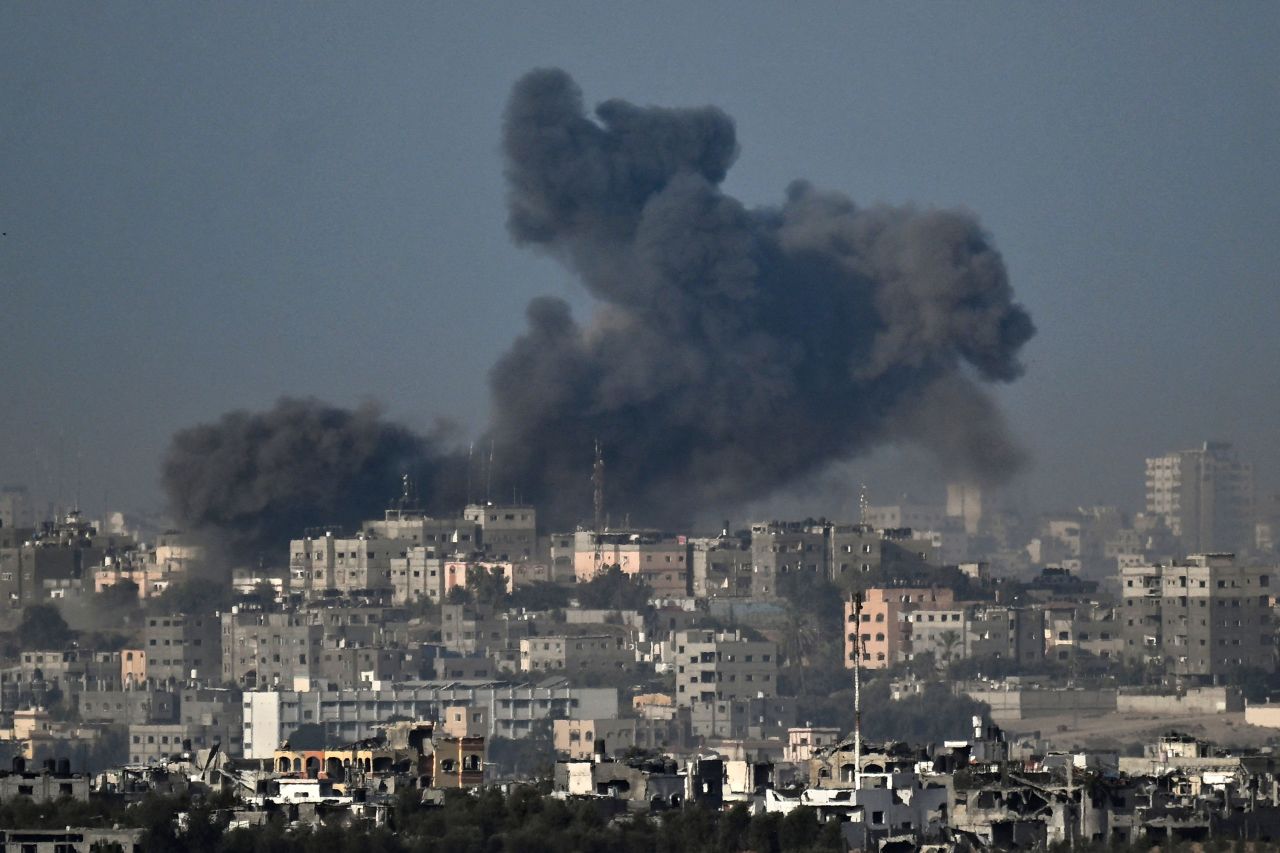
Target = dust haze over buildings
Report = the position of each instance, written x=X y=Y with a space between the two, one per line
x=733 y=351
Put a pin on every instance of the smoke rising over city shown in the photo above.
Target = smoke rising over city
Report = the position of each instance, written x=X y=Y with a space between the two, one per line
x=255 y=478
x=733 y=351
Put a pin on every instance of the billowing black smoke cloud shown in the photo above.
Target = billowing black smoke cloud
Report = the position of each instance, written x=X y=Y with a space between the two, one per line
x=734 y=351
x=259 y=479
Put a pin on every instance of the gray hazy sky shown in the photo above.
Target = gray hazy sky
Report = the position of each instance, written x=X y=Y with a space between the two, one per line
x=206 y=206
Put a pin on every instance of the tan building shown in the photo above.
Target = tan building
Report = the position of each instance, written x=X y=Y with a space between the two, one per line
x=660 y=561
x=577 y=738
x=803 y=742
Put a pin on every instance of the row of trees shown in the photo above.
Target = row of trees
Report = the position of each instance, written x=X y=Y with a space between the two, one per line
x=525 y=820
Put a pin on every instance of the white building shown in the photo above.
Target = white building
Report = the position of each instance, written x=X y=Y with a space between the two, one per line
x=270 y=717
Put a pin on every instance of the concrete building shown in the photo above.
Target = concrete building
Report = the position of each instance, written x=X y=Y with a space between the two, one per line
x=576 y=654
x=885 y=630
x=1007 y=633
x=183 y=648
x=858 y=554
x=46 y=562
x=213 y=715
x=781 y=547
x=475 y=630
x=917 y=516
x=349 y=715
x=659 y=560
x=506 y=532
x=270 y=649
x=128 y=707
x=964 y=501
x=15 y=507
x=1200 y=617
x=329 y=564
x=1205 y=496
x=721 y=567
x=743 y=718
x=804 y=742
x=577 y=739
x=716 y=666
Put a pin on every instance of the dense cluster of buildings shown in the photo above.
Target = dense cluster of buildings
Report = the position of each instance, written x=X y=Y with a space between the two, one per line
x=353 y=638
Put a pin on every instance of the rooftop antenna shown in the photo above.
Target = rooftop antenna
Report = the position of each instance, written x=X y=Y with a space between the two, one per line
x=857 y=691
x=597 y=483
x=862 y=503
x=406 y=491
x=488 y=477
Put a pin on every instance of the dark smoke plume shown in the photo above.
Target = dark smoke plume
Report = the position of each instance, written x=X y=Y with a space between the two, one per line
x=734 y=351
x=259 y=479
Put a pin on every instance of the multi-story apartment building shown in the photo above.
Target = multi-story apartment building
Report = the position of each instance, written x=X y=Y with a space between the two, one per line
x=443 y=537
x=661 y=561
x=37 y=564
x=329 y=564
x=182 y=648
x=208 y=717
x=342 y=665
x=477 y=630
x=128 y=707
x=778 y=548
x=506 y=532
x=943 y=632
x=1205 y=496
x=859 y=554
x=1014 y=634
x=1200 y=617
x=721 y=567
x=1072 y=629
x=914 y=515
x=580 y=654
x=578 y=739
x=885 y=630
x=714 y=666
x=510 y=710
x=15 y=507
x=743 y=718
x=266 y=650
x=213 y=715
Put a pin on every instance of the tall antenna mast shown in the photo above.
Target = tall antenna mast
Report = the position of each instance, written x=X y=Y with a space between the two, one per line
x=488 y=477
x=471 y=449
x=862 y=503
x=857 y=691
x=597 y=482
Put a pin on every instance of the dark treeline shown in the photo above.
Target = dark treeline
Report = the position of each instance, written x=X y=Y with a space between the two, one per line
x=526 y=820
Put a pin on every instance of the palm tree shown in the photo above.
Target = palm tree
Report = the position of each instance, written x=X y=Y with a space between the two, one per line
x=949 y=639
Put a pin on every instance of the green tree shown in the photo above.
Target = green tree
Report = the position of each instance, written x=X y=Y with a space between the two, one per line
x=614 y=589
x=488 y=585
x=541 y=595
